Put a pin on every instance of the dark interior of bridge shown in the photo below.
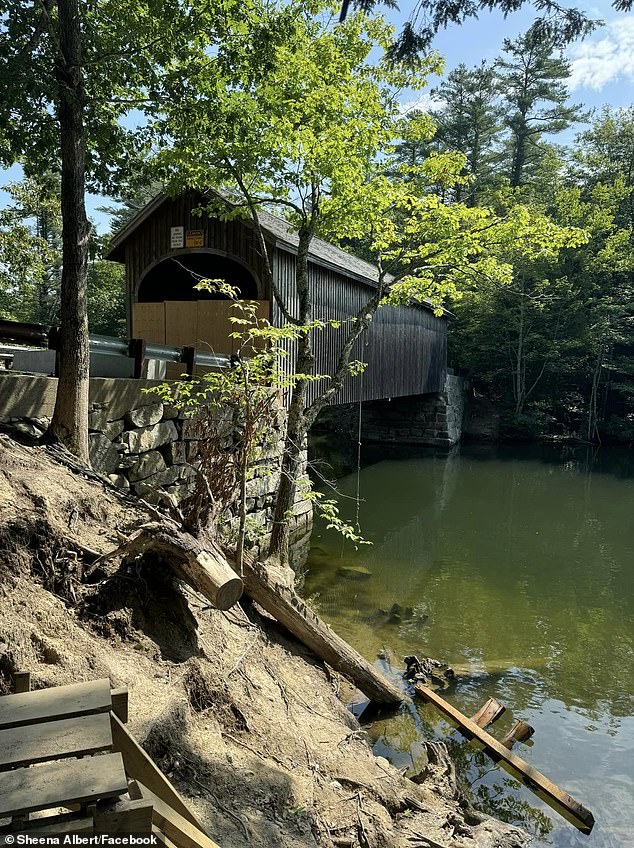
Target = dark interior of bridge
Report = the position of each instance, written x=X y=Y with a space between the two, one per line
x=174 y=278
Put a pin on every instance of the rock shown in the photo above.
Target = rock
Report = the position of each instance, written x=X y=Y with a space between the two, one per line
x=186 y=472
x=120 y=481
x=175 y=453
x=149 y=438
x=29 y=427
x=98 y=419
x=192 y=450
x=113 y=429
x=180 y=492
x=148 y=463
x=263 y=485
x=104 y=457
x=354 y=572
x=145 y=416
x=164 y=478
x=148 y=493
x=169 y=413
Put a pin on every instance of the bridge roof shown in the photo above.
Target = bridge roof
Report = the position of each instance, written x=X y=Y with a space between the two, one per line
x=284 y=237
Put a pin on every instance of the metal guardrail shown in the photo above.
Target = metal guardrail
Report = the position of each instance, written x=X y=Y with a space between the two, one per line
x=38 y=335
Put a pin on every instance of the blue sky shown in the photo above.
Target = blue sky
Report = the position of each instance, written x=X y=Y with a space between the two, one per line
x=602 y=65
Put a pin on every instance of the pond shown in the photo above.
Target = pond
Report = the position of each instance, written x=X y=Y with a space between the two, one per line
x=516 y=567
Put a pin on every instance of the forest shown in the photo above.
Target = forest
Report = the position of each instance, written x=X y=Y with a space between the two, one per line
x=542 y=324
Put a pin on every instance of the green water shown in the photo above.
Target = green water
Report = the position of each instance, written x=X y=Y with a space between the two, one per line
x=518 y=565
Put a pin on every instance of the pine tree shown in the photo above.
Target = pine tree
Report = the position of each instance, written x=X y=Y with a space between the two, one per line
x=532 y=83
x=469 y=121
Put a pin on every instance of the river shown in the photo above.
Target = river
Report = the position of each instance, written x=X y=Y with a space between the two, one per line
x=516 y=566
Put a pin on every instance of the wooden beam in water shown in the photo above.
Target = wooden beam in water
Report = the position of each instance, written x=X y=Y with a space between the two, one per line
x=557 y=798
x=488 y=713
x=520 y=732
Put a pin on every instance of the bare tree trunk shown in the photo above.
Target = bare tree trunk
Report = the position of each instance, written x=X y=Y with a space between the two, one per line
x=594 y=394
x=520 y=372
x=70 y=418
x=296 y=430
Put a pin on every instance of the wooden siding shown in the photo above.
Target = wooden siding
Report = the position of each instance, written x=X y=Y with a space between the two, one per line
x=150 y=243
x=405 y=348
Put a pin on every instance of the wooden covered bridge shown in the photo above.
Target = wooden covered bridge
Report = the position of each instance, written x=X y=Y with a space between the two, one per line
x=168 y=243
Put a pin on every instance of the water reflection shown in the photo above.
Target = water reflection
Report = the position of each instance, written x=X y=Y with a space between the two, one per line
x=517 y=567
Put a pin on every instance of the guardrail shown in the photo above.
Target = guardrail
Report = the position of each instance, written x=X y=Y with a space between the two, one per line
x=39 y=335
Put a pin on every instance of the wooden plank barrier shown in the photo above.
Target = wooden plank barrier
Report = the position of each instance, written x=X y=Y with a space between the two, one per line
x=544 y=788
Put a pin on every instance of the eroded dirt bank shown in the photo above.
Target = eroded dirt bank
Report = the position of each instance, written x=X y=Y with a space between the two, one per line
x=246 y=723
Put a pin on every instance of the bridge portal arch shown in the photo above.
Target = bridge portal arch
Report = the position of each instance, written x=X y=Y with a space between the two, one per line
x=173 y=277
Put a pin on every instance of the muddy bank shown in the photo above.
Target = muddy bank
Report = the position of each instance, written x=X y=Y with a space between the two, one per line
x=246 y=723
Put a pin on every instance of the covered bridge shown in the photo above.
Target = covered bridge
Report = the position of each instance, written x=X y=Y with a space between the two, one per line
x=168 y=243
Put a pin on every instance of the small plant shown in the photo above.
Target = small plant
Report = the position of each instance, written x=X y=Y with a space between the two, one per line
x=235 y=409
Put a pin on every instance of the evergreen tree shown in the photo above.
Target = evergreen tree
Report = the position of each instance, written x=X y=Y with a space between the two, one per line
x=532 y=82
x=469 y=121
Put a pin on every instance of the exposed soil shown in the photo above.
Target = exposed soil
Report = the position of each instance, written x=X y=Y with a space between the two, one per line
x=247 y=724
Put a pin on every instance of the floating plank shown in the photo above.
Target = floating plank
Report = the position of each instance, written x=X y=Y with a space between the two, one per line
x=520 y=732
x=560 y=800
x=55 y=703
x=143 y=769
x=54 y=740
x=176 y=828
x=58 y=784
x=488 y=713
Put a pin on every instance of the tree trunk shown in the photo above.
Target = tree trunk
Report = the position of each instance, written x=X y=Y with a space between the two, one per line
x=70 y=418
x=296 y=430
x=204 y=568
x=289 y=609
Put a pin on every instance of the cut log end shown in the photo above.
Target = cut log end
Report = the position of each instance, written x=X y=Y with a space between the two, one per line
x=229 y=594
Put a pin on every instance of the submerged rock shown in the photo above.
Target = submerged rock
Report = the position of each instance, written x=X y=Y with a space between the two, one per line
x=354 y=572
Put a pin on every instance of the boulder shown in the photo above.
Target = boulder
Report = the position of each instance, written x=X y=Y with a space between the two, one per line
x=145 y=416
x=150 y=438
x=104 y=456
x=147 y=464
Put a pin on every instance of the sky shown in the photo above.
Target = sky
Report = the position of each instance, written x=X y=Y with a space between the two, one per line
x=602 y=65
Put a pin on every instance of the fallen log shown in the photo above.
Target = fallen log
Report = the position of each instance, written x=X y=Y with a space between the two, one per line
x=205 y=569
x=544 y=788
x=283 y=603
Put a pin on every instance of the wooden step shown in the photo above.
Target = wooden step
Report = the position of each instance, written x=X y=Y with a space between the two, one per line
x=55 y=703
x=59 y=784
x=55 y=740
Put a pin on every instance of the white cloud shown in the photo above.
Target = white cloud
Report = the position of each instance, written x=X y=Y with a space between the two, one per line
x=606 y=57
x=424 y=102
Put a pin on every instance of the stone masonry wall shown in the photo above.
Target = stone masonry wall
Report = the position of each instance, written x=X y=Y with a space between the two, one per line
x=430 y=419
x=151 y=449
